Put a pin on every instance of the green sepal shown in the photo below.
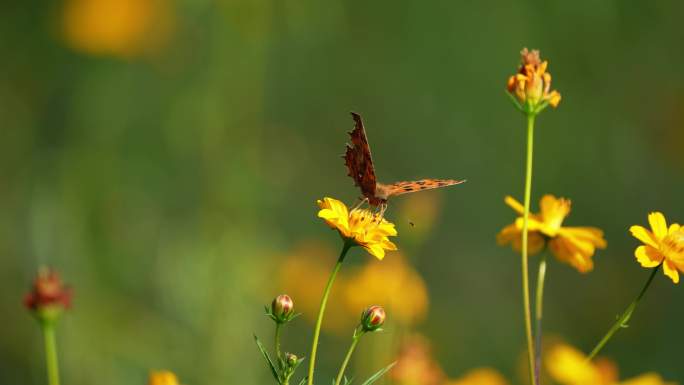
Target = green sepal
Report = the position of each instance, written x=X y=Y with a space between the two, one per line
x=515 y=102
x=267 y=310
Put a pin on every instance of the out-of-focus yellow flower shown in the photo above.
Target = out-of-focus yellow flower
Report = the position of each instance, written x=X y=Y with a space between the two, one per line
x=415 y=364
x=365 y=228
x=162 y=377
x=572 y=245
x=393 y=283
x=531 y=86
x=647 y=379
x=568 y=366
x=122 y=28
x=479 y=376
x=662 y=244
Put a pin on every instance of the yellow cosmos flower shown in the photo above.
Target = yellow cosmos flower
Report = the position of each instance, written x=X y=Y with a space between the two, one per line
x=163 y=377
x=662 y=244
x=572 y=245
x=531 y=86
x=361 y=226
x=568 y=366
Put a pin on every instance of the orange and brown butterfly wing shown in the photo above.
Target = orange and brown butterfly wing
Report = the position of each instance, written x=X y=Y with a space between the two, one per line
x=400 y=188
x=358 y=159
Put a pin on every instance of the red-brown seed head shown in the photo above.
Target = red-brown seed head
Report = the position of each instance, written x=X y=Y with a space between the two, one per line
x=48 y=293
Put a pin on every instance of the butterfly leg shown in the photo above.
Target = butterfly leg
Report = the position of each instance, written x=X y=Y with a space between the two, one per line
x=381 y=211
x=361 y=202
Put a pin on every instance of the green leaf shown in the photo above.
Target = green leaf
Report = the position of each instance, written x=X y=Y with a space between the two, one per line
x=268 y=359
x=302 y=382
x=379 y=374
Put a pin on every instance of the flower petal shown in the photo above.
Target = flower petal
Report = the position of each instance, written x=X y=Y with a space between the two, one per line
x=514 y=204
x=648 y=256
x=592 y=235
x=512 y=235
x=670 y=270
x=554 y=209
x=645 y=236
x=673 y=228
x=658 y=224
x=575 y=252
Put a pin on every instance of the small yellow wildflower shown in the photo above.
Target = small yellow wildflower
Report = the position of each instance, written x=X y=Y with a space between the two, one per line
x=163 y=377
x=531 y=86
x=365 y=228
x=568 y=366
x=572 y=245
x=662 y=244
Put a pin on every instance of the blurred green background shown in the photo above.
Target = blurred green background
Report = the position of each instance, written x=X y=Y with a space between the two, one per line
x=166 y=156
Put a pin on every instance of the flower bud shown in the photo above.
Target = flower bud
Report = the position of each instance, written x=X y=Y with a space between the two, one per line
x=372 y=318
x=48 y=296
x=282 y=308
x=291 y=359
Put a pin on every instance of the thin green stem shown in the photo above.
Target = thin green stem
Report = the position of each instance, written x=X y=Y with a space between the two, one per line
x=277 y=341
x=321 y=310
x=525 y=272
x=50 y=352
x=538 y=315
x=624 y=318
x=340 y=374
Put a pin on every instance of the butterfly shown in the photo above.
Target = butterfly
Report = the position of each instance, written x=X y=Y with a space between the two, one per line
x=358 y=160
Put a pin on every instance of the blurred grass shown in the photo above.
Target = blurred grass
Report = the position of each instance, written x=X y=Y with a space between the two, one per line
x=165 y=181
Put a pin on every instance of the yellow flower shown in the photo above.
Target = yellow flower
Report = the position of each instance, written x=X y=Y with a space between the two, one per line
x=480 y=376
x=531 y=86
x=568 y=366
x=662 y=244
x=162 y=377
x=572 y=245
x=365 y=228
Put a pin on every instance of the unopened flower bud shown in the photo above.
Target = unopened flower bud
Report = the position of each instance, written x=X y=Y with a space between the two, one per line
x=282 y=308
x=372 y=318
x=290 y=359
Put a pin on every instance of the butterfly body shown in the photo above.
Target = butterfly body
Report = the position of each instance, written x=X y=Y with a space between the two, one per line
x=359 y=163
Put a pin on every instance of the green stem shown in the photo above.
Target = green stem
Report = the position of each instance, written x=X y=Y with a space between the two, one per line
x=624 y=318
x=538 y=314
x=321 y=310
x=50 y=352
x=277 y=342
x=525 y=273
x=355 y=341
